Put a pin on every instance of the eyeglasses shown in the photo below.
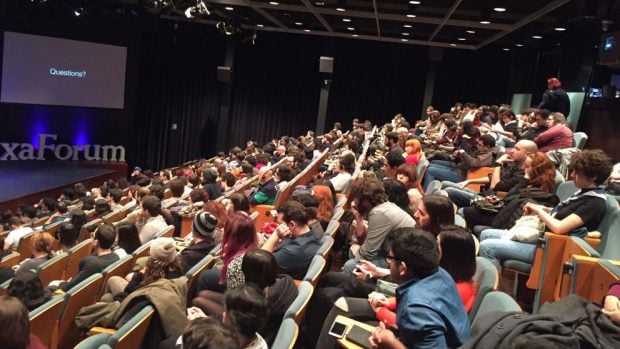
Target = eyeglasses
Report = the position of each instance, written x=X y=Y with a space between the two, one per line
x=391 y=258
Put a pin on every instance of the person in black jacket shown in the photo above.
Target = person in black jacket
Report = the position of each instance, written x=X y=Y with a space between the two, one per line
x=202 y=240
x=555 y=98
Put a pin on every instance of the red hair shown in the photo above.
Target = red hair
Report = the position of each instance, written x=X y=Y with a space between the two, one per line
x=239 y=237
x=218 y=210
x=542 y=172
x=326 y=205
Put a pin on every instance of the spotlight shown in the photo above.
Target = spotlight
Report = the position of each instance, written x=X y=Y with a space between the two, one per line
x=200 y=9
x=227 y=28
x=79 y=11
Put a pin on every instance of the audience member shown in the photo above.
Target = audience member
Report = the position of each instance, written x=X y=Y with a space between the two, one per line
x=557 y=136
x=154 y=222
x=15 y=325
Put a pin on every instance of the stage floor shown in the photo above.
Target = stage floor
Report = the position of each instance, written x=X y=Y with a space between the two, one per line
x=22 y=178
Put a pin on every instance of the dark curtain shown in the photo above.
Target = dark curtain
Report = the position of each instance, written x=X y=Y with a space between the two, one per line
x=276 y=88
x=178 y=94
x=375 y=81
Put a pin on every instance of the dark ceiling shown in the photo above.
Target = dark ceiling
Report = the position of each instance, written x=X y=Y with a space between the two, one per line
x=461 y=24
x=465 y=24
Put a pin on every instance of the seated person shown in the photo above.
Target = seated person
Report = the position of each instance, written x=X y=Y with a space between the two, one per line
x=154 y=221
x=15 y=325
x=266 y=193
x=293 y=243
x=18 y=230
x=343 y=170
x=26 y=286
x=41 y=252
x=444 y=170
x=104 y=237
x=611 y=303
x=203 y=228
x=429 y=313
x=208 y=333
x=558 y=136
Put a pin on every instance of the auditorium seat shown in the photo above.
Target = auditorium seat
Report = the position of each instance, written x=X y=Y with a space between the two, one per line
x=81 y=295
x=44 y=318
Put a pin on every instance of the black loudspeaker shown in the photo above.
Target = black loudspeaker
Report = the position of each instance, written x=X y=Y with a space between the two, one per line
x=326 y=65
x=224 y=74
x=609 y=91
x=435 y=54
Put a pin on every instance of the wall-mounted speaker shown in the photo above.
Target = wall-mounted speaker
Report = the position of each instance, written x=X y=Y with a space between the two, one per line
x=224 y=74
x=326 y=65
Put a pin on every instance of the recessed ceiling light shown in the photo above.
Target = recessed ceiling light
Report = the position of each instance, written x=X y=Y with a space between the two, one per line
x=499 y=9
x=260 y=25
x=559 y=29
x=340 y=9
x=519 y=45
x=350 y=28
x=505 y=49
x=346 y=19
x=471 y=32
x=414 y=2
x=228 y=8
x=307 y=30
x=404 y=40
x=538 y=37
x=319 y=3
x=274 y=3
x=461 y=39
x=298 y=23
x=354 y=35
x=485 y=22
x=405 y=34
x=453 y=45
x=411 y=15
x=408 y=26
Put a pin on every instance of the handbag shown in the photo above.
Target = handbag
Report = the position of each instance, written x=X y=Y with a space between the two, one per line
x=489 y=203
x=527 y=229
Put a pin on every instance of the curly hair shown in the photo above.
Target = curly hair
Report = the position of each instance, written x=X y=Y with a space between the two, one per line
x=218 y=210
x=594 y=164
x=156 y=270
x=370 y=190
x=542 y=172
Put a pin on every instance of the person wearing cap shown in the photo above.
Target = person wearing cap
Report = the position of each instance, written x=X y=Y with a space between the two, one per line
x=163 y=262
x=203 y=228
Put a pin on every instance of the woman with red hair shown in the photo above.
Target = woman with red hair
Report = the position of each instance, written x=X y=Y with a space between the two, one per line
x=555 y=98
x=326 y=205
x=413 y=151
x=239 y=237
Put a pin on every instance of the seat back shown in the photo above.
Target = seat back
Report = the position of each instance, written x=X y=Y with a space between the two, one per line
x=287 y=335
x=10 y=260
x=496 y=301
x=315 y=269
x=297 y=309
x=44 y=318
x=326 y=246
x=478 y=173
x=342 y=200
x=167 y=232
x=85 y=233
x=421 y=167
x=114 y=216
x=566 y=190
x=52 y=228
x=591 y=277
x=486 y=279
x=132 y=333
x=81 y=295
x=580 y=139
x=193 y=274
x=93 y=342
x=24 y=246
x=118 y=268
x=76 y=254
x=52 y=269
x=140 y=252
x=338 y=212
x=610 y=231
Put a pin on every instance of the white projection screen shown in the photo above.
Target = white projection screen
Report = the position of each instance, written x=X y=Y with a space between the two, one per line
x=52 y=71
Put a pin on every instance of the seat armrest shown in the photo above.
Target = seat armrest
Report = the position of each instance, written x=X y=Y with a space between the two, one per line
x=585 y=246
x=97 y=330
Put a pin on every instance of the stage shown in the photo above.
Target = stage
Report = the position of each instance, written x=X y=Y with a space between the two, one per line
x=28 y=181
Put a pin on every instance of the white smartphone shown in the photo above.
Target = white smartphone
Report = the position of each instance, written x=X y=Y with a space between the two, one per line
x=338 y=329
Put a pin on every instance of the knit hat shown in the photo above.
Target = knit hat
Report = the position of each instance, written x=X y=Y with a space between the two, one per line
x=204 y=224
x=163 y=250
x=209 y=175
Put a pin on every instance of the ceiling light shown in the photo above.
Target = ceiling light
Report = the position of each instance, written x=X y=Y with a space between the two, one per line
x=340 y=9
x=559 y=29
x=453 y=45
x=405 y=34
x=346 y=20
x=307 y=30
x=354 y=35
x=471 y=32
x=408 y=26
x=505 y=49
x=274 y=3
x=414 y=2
x=79 y=11
x=461 y=39
x=319 y=3
x=411 y=15
x=485 y=22
x=200 y=9
x=350 y=28
x=260 y=25
x=404 y=40
x=537 y=37
x=499 y=9
x=519 y=45
x=228 y=8
x=298 y=23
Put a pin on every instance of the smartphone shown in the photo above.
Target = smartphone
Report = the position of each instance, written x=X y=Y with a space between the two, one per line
x=338 y=329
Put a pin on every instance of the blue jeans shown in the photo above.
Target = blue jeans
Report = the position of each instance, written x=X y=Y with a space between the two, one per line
x=496 y=249
x=460 y=196
x=441 y=170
